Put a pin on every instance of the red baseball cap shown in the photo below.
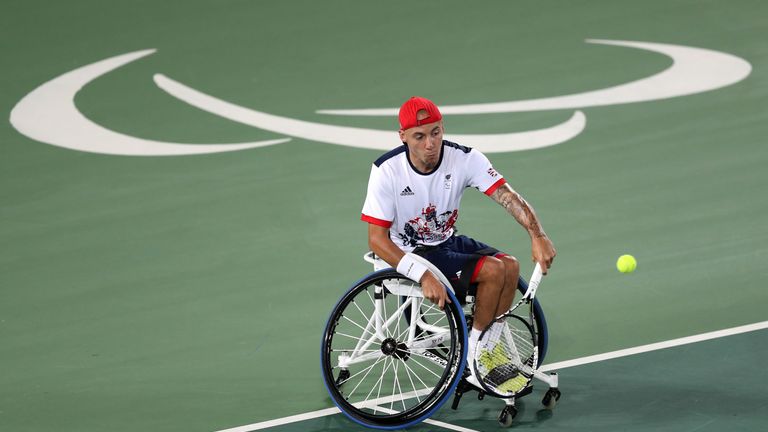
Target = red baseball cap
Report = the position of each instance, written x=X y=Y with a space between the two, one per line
x=410 y=109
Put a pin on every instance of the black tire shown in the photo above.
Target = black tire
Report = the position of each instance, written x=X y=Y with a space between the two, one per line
x=550 y=398
x=393 y=370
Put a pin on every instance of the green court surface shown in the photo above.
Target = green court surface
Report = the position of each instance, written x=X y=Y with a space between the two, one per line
x=189 y=292
x=708 y=386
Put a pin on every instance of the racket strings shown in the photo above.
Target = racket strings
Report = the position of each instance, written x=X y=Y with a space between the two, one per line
x=505 y=356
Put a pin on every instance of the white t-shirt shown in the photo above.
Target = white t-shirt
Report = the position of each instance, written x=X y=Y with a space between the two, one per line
x=422 y=209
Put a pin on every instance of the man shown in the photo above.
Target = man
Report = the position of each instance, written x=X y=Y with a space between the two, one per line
x=412 y=205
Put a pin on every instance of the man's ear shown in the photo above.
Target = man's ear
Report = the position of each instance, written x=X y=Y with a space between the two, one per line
x=402 y=135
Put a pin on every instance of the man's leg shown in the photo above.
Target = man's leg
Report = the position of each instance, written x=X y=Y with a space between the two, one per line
x=497 y=283
x=497 y=279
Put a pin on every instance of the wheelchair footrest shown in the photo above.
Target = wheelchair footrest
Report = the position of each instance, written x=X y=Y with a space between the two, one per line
x=524 y=392
x=464 y=386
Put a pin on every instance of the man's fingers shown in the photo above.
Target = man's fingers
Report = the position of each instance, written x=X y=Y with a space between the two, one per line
x=544 y=265
x=440 y=299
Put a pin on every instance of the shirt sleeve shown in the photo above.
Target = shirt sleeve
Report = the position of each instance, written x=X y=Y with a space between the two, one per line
x=482 y=175
x=379 y=206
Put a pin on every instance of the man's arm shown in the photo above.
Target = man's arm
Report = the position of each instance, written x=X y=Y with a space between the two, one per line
x=542 y=249
x=386 y=249
x=383 y=246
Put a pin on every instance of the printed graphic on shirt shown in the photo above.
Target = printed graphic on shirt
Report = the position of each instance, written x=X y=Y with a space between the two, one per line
x=418 y=208
x=430 y=227
x=447 y=181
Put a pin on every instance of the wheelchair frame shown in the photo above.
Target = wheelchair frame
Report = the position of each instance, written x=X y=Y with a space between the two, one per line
x=411 y=344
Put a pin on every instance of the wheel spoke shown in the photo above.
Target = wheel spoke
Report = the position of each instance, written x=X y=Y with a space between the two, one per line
x=395 y=388
x=413 y=386
x=357 y=338
x=378 y=382
x=354 y=302
x=365 y=330
x=361 y=371
x=373 y=303
x=401 y=334
x=417 y=377
x=369 y=368
x=426 y=368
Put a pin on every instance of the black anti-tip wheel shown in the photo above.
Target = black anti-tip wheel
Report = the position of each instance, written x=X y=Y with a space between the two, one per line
x=507 y=416
x=550 y=398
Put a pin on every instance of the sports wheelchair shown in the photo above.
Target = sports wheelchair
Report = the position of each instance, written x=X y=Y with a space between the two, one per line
x=390 y=359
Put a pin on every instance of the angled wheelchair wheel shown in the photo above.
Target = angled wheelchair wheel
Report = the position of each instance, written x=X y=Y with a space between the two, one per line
x=385 y=368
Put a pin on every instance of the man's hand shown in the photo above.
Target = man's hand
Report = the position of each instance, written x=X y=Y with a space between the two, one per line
x=543 y=252
x=434 y=290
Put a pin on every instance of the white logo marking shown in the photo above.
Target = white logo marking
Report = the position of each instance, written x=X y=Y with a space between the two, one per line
x=48 y=114
x=694 y=70
x=366 y=138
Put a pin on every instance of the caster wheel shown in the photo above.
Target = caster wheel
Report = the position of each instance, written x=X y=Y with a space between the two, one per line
x=343 y=376
x=507 y=416
x=550 y=398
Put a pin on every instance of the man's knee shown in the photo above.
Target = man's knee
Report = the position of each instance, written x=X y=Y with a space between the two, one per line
x=503 y=272
x=493 y=270
x=512 y=267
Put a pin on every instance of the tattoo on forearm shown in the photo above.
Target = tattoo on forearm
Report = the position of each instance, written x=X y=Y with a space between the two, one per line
x=515 y=205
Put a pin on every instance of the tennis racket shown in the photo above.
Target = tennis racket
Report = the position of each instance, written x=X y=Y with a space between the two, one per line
x=507 y=352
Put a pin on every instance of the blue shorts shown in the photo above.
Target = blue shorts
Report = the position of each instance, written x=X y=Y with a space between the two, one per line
x=460 y=258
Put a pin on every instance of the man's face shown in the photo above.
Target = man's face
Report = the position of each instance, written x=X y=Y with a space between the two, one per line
x=424 y=145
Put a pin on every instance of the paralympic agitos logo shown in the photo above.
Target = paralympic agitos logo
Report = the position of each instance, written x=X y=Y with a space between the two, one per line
x=48 y=114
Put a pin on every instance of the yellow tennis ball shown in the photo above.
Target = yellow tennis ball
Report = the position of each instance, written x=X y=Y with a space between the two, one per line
x=626 y=264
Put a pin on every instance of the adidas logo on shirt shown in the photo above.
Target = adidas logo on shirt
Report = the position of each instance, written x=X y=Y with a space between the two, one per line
x=407 y=191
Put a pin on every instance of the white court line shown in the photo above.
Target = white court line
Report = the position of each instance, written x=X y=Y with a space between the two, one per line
x=549 y=367
x=434 y=422
x=656 y=346
x=285 y=420
x=325 y=412
x=448 y=426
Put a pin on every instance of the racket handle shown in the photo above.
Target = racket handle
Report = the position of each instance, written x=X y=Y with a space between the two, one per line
x=533 y=283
